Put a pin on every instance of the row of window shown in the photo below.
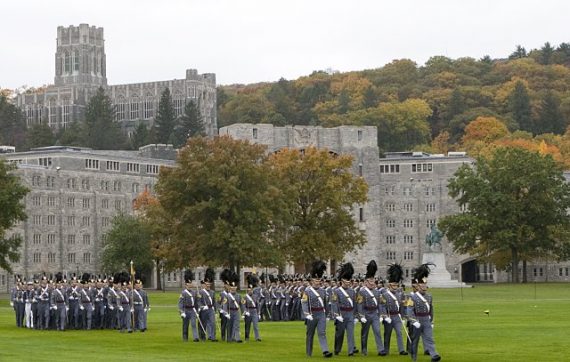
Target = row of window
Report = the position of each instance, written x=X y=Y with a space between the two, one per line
x=70 y=221
x=392 y=255
x=409 y=223
x=391 y=239
x=93 y=164
x=51 y=258
x=50 y=239
x=72 y=183
x=408 y=206
x=415 y=168
x=85 y=202
x=409 y=190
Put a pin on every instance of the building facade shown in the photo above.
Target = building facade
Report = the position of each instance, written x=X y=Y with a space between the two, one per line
x=407 y=195
x=74 y=195
x=80 y=69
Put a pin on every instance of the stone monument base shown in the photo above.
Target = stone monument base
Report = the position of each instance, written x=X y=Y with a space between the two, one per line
x=439 y=276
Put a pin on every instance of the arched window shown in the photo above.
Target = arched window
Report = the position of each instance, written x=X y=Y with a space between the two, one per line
x=66 y=62
x=76 y=60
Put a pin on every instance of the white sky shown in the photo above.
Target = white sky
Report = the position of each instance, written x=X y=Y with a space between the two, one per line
x=264 y=40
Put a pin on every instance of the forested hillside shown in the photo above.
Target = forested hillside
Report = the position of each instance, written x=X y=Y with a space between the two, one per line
x=446 y=104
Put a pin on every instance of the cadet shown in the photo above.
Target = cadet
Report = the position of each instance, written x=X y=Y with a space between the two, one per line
x=140 y=304
x=368 y=305
x=206 y=299
x=313 y=305
x=187 y=307
x=29 y=296
x=100 y=298
x=113 y=302
x=43 y=297
x=59 y=303
x=235 y=308
x=223 y=304
x=343 y=307
x=250 y=303
x=394 y=298
x=421 y=314
x=124 y=304
x=85 y=304
x=73 y=298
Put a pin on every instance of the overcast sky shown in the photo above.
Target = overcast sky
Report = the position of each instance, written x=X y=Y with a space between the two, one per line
x=264 y=40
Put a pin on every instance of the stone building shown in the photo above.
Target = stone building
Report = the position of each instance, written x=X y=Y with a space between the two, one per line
x=74 y=195
x=80 y=68
x=407 y=195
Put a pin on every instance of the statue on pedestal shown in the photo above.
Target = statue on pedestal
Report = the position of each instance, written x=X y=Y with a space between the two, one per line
x=433 y=238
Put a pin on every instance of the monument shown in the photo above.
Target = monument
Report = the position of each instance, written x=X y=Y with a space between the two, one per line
x=439 y=276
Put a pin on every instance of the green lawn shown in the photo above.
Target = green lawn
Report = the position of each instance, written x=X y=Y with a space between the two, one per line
x=525 y=323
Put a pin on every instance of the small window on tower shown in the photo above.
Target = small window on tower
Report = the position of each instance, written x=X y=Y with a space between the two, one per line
x=255 y=133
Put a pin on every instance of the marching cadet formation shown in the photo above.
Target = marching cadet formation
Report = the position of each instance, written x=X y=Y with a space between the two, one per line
x=86 y=303
x=346 y=300
x=368 y=302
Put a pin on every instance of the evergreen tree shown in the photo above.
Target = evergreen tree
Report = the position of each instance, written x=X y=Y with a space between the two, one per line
x=12 y=124
x=40 y=135
x=165 y=119
x=546 y=53
x=550 y=118
x=456 y=104
x=140 y=137
x=520 y=52
x=102 y=131
x=188 y=125
x=73 y=135
x=519 y=106
x=370 y=99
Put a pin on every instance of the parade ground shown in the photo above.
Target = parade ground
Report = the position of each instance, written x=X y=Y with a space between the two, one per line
x=525 y=322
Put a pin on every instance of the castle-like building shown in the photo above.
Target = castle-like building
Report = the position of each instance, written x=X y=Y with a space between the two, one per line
x=80 y=68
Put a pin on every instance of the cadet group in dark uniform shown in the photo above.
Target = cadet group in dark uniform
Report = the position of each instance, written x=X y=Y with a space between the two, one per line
x=346 y=300
x=87 y=303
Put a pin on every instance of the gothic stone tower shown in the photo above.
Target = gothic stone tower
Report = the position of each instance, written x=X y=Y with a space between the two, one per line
x=80 y=56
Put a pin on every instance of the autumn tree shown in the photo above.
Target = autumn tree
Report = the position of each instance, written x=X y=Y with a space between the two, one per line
x=12 y=210
x=12 y=125
x=221 y=203
x=320 y=192
x=517 y=203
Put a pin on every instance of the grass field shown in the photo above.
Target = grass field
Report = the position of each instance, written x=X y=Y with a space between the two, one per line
x=525 y=323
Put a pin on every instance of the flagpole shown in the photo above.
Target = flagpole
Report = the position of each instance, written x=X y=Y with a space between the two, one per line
x=132 y=311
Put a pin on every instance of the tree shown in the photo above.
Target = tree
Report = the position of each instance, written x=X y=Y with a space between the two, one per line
x=188 y=125
x=516 y=205
x=12 y=125
x=221 y=204
x=164 y=121
x=102 y=132
x=456 y=104
x=519 y=106
x=73 y=135
x=520 y=52
x=546 y=53
x=128 y=239
x=40 y=135
x=12 y=210
x=140 y=137
x=550 y=118
x=320 y=192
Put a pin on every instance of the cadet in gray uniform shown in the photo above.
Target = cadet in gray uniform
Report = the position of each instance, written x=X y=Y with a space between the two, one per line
x=124 y=304
x=187 y=307
x=43 y=297
x=100 y=299
x=235 y=310
x=313 y=304
x=368 y=306
x=343 y=307
x=85 y=303
x=59 y=303
x=206 y=300
x=394 y=298
x=113 y=302
x=223 y=304
x=250 y=303
x=421 y=314
x=140 y=304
